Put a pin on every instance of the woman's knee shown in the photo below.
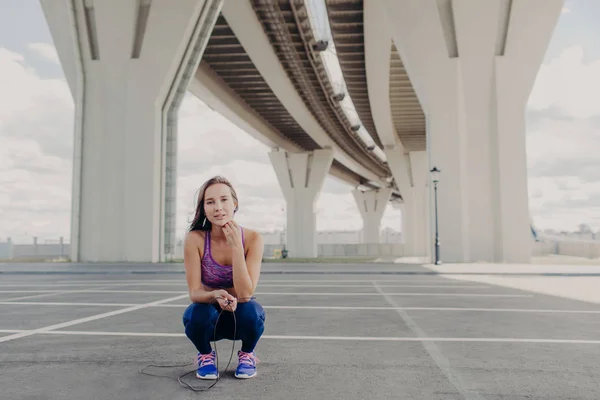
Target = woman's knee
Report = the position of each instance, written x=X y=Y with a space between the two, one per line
x=199 y=314
x=250 y=314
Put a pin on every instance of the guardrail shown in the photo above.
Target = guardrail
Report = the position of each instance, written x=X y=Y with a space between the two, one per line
x=60 y=251
x=564 y=247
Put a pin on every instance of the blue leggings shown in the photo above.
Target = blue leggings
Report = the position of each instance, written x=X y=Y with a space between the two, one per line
x=199 y=321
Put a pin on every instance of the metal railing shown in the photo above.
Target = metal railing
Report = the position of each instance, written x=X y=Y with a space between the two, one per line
x=59 y=250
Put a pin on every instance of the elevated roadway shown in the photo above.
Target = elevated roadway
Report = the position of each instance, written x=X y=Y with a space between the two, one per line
x=373 y=93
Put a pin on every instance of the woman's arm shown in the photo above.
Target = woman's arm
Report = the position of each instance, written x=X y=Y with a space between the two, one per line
x=246 y=269
x=191 y=261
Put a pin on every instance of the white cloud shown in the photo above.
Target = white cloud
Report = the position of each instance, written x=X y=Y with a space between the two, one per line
x=564 y=202
x=45 y=50
x=563 y=142
x=35 y=151
x=342 y=212
x=564 y=172
x=556 y=140
x=22 y=89
x=569 y=85
x=209 y=145
x=36 y=130
x=36 y=133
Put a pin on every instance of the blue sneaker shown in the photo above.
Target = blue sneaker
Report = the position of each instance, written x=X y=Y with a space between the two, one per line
x=206 y=366
x=247 y=365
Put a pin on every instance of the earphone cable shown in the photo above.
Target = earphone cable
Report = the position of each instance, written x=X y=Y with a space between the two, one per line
x=179 y=378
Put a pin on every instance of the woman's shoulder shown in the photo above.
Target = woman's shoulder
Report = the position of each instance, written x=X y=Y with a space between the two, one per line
x=251 y=235
x=194 y=242
x=195 y=237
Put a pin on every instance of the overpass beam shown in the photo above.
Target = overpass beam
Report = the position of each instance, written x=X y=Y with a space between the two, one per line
x=301 y=177
x=473 y=65
x=372 y=205
x=128 y=64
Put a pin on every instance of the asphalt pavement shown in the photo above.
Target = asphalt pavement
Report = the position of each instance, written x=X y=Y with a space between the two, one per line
x=352 y=331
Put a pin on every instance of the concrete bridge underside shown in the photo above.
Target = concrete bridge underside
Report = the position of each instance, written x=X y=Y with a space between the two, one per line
x=432 y=82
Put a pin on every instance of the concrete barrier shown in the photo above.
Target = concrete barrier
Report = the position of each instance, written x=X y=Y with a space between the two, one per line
x=50 y=251
x=6 y=252
x=579 y=248
x=40 y=251
x=34 y=251
x=335 y=250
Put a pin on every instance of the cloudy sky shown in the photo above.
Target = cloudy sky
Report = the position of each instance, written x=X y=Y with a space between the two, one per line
x=36 y=130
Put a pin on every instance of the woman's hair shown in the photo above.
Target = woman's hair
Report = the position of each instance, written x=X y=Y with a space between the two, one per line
x=200 y=222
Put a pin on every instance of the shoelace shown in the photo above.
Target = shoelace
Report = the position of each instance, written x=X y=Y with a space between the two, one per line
x=247 y=358
x=206 y=359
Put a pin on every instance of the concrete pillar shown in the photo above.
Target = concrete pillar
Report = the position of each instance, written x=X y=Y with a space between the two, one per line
x=301 y=177
x=410 y=171
x=372 y=205
x=401 y=207
x=473 y=65
x=419 y=194
x=128 y=64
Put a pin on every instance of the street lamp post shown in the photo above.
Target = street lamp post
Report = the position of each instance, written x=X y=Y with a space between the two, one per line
x=284 y=251
x=435 y=177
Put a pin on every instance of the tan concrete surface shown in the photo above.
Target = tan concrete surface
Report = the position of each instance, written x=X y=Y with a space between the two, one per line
x=584 y=288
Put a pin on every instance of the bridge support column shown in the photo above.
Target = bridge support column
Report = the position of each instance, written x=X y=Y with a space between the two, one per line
x=372 y=205
x=128 y=64
x=301 y=177
x=415 y=221
x=473 y=65
x=410 y=173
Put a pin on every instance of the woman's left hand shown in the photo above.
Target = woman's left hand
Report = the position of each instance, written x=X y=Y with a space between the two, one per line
x=233 y=234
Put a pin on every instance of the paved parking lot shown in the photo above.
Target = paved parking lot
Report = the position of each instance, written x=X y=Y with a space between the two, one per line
x=355 y=331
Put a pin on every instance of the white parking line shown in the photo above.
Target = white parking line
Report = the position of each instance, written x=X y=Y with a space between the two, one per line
x=95 y=290
x=454 y=377
x=336 y=338
x=32 y=297
x=47 y=329
x=58 y=303
x=281 y=293
x=277 y=281
x=183 y=285
x=89 y=284
x=459 y=309
x=79 y=291
x=370 y=286
x=341 y=308
x=395 y=294
x=48 y=293
x=8 y=285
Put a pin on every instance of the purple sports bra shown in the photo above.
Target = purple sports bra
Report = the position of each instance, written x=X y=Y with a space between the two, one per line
x=215 y=275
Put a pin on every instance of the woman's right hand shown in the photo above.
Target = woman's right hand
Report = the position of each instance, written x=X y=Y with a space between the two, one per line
x=226 y=301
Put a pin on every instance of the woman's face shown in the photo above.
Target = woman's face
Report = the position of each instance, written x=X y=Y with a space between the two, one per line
x=219 y=204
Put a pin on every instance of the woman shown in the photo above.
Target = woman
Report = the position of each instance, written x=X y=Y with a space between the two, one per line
x=222 y=267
